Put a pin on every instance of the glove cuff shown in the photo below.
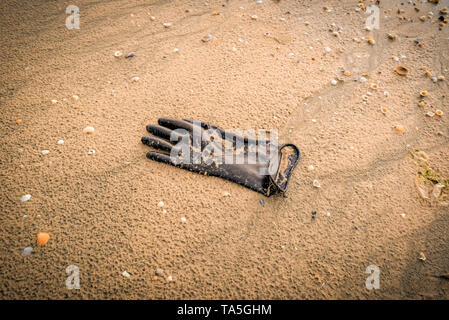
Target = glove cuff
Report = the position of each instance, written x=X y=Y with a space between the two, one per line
x=285 y=163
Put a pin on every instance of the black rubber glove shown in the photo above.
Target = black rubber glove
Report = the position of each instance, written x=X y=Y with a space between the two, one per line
x=269 y=174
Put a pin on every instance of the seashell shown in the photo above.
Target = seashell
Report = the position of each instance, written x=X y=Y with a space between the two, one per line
x=18 y=121
x=42 y=238
x=383 y=110
x=88 y=130
x=444 y=10
x=226 y=194
x=401 y=70
x=169 y=278
x=334 y=82
x=423 y=93
x=159 y=272
x=422 y=18
x=26 y=251
x=439 y=112
x=316 y=184
x=310 y=167
x=430 y=114
x=371 y=41
x=429 y=74
x=392 y=36
x=135 y=79
x=441 y=78
x=75 y=97
x=91 y=151
x=117 y=54
x=60 y=141
x=434 y=79
x=254 y=17
x=25 y=198
x=374 y=86
x=363 y=79
x=154 y=278
x=183 y=219
x=160 y=204
x=327 y=49
x=347 y=73
x=152 y=18
x=54 y=101
x=175 y=50
x=167 y=24
x=44 y=152
x=126 y=274
x=206 y=38
x=421 y=103
x=130 y=55
x=399 y=128
x=442 y=24
x=215 y=13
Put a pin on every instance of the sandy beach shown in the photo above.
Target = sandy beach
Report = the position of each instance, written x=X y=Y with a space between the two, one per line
x=376 y=141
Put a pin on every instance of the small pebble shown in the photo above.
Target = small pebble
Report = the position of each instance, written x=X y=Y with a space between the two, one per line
x=313 y=214
x=159 y=272
x=183 y=219
x=44 y=152
x=130 y=55
x=316 y=184
x=27 y=251
x=262 y=202
x=334 y=82
x=60 y=141
x=169 y=278
x=126 y=274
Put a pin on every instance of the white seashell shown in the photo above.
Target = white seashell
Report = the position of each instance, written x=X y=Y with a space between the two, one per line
x=44 y=152
x=25 y=198
x=135 y=79
x=363 y=79
x=226 y=194
x=164 y=211
x=54 y=101
x=75 y=97
x=117 y=54
x=183 y=219
x=167 y=24
x=169 y=278
x=88 y=130
x=175 y=50
x=334 y=82
x=60 y=141
x=160 y=204
x=327 y=49
x=430 y=114
x=310 y=167
x=316 y=184
x=126 y=274
x=26 y=251
x=91 y=151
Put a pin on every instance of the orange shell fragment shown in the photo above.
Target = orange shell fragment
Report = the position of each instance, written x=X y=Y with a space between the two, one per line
x=42 y=238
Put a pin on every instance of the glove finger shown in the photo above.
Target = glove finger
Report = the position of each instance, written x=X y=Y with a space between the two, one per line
x=160 y=157
x=174 y=124
x=159 y=131
x=157 y=143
